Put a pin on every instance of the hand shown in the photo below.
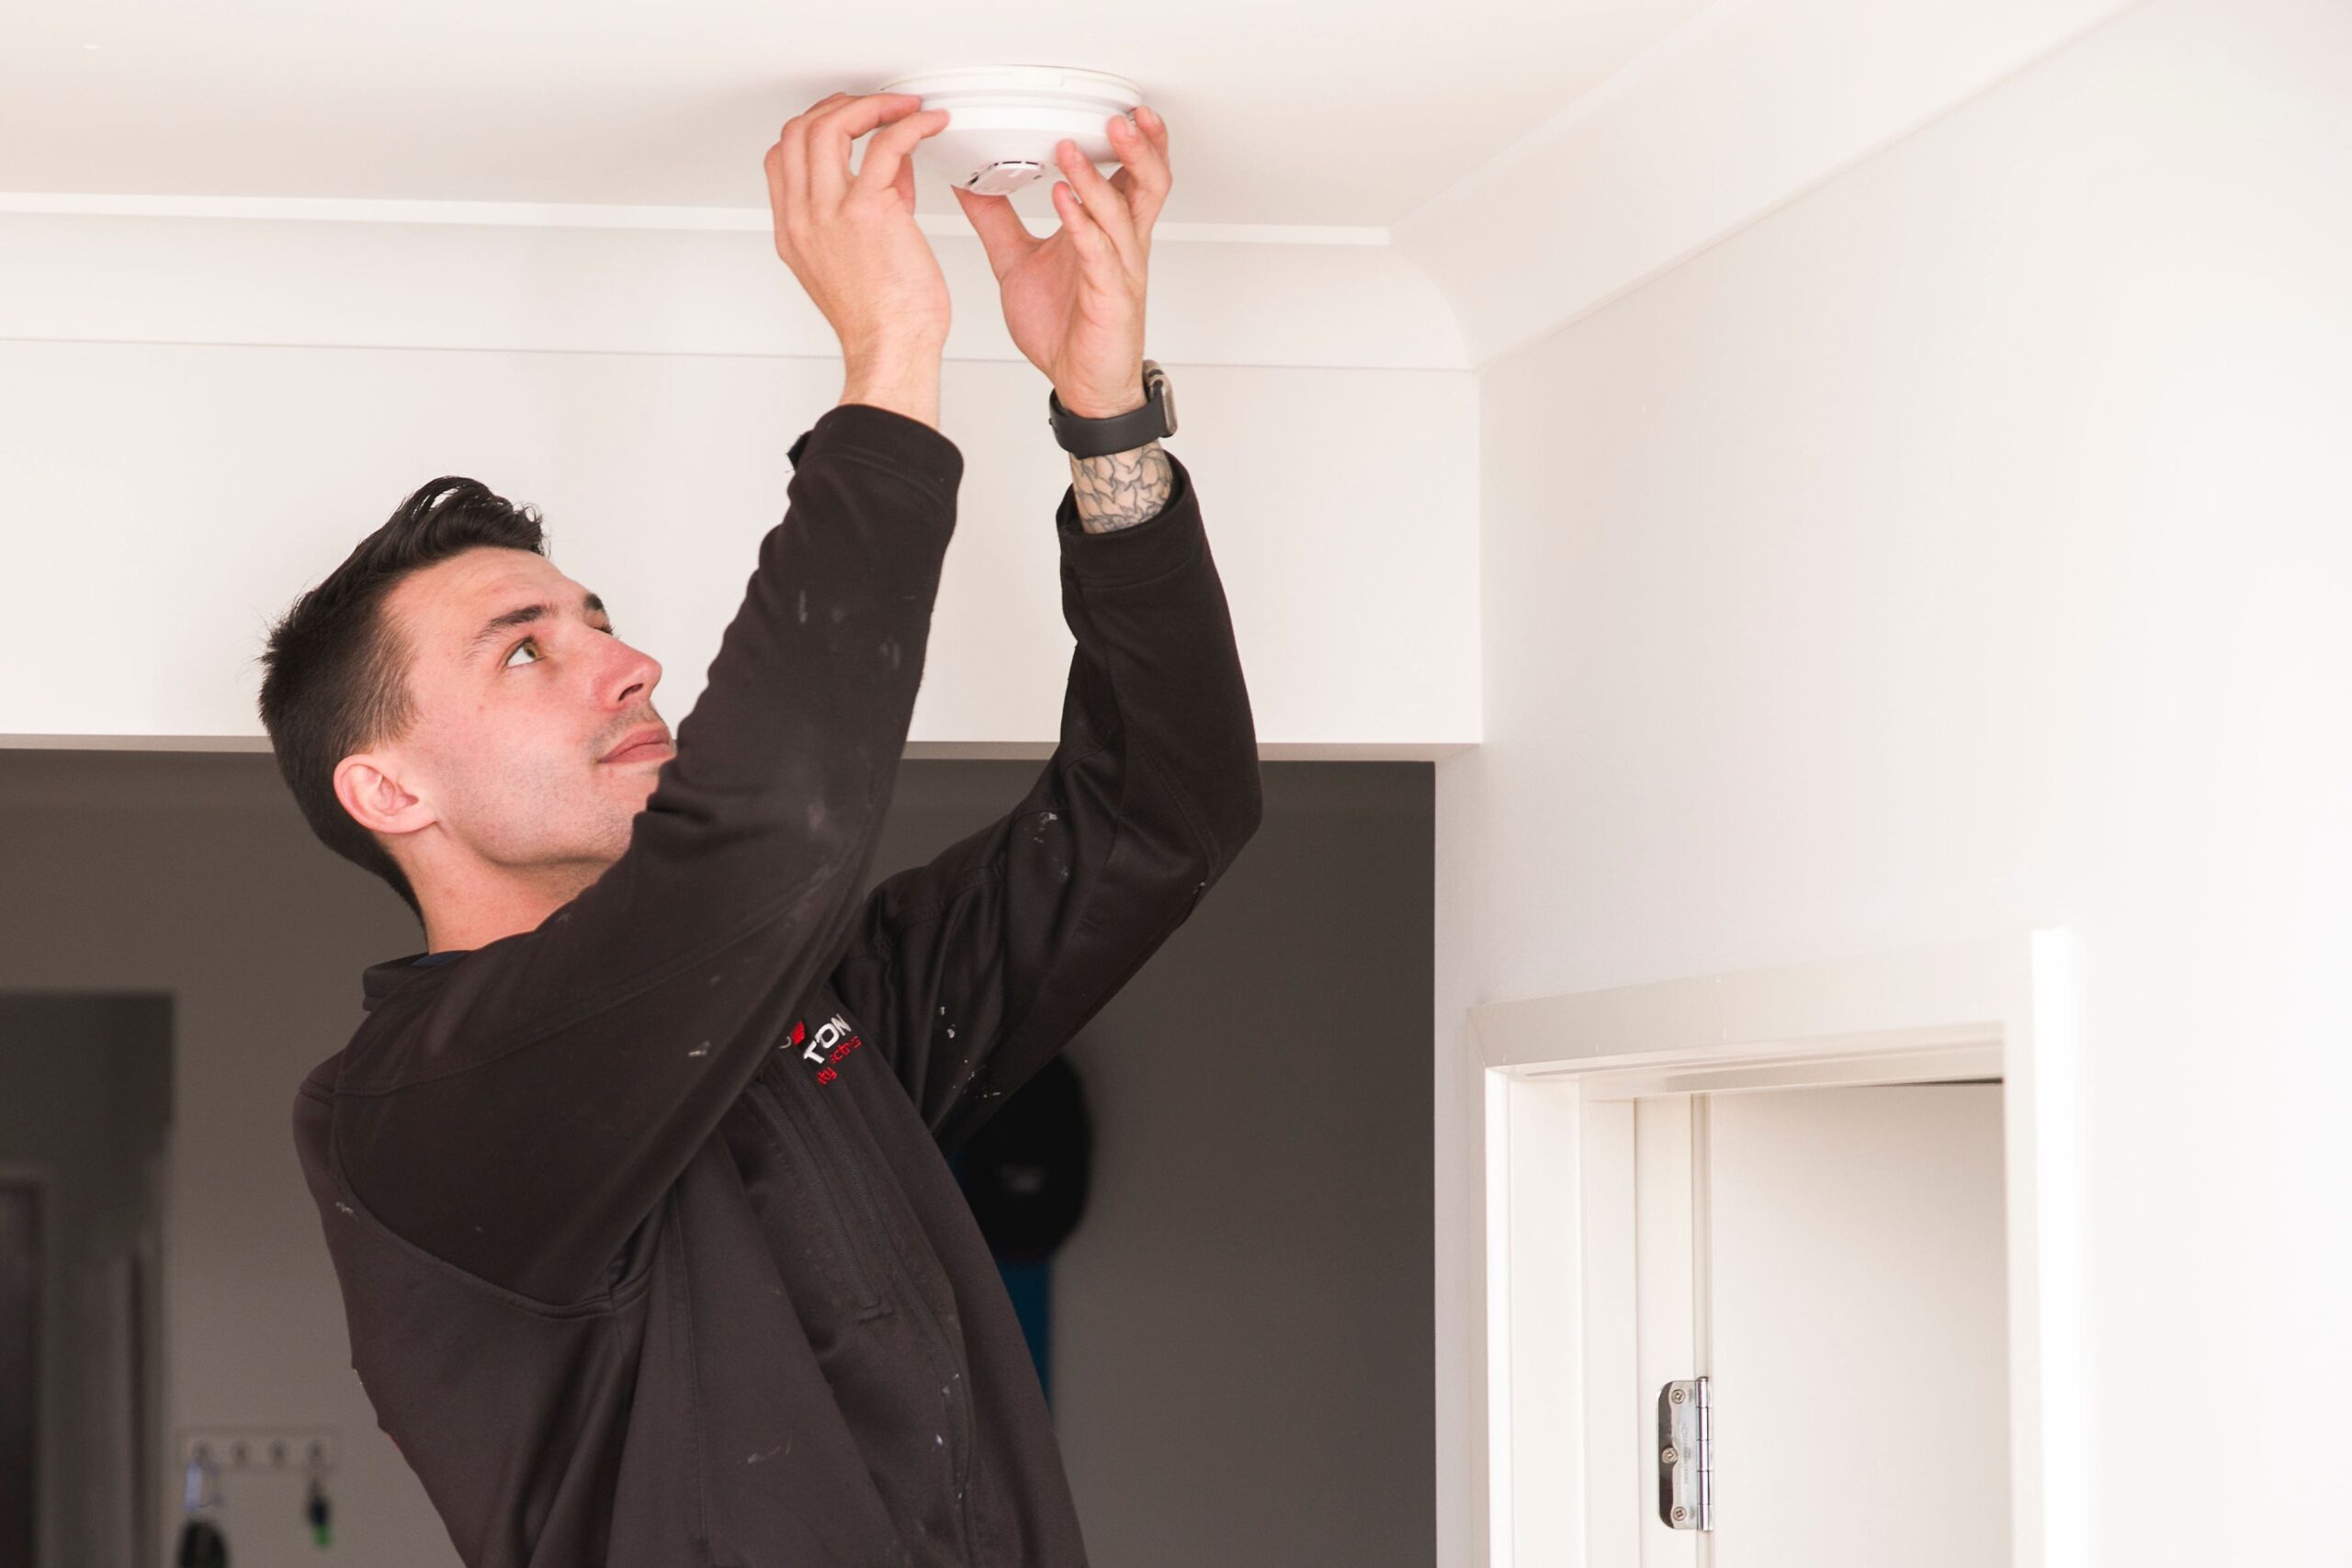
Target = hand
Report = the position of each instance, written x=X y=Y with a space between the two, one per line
x=1074 y=301
x=851 y=240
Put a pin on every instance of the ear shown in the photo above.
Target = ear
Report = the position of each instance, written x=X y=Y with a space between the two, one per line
x=369 y=788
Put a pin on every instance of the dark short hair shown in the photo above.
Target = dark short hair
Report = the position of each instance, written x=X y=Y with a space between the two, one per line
x=335 y=671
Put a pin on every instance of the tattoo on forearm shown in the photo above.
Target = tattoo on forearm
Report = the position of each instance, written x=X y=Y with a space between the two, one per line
x=1120 y=490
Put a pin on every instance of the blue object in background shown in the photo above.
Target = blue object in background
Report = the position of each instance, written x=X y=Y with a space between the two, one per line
x=1024 y=1172
x=1031 y=1287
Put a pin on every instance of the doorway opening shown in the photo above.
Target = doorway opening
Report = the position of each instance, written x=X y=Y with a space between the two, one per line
x=1791 y=1183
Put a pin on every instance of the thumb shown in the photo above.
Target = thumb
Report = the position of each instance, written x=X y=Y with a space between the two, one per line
x=1002 y=235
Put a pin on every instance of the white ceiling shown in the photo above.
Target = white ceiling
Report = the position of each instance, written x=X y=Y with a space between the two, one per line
x=1291 y=113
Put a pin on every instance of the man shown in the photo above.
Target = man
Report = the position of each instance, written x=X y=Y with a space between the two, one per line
x=635 y=1179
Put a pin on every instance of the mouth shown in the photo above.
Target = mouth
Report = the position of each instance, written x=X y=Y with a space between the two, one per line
x=645 y=746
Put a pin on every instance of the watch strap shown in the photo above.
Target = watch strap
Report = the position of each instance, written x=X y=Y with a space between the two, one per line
x=1120 y=431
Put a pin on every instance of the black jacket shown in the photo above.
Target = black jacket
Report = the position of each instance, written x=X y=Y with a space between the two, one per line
x=649 y=1246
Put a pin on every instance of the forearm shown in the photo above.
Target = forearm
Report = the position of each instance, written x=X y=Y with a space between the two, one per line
x=1120 y=490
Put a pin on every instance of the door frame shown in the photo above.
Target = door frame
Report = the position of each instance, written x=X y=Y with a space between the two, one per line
x=40 y=1176
x=1561 y=1074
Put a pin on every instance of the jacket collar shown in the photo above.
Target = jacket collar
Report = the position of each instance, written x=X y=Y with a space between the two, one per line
x=378 y=981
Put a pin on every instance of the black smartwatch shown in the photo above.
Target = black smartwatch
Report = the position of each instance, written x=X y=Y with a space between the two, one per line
x=1120 y=432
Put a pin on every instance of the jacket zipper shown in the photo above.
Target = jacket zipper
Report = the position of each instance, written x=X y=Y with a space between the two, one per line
x=787 y=1119
x=960 y=1456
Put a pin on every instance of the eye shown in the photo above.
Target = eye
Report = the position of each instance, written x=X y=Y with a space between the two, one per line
x=532 y=643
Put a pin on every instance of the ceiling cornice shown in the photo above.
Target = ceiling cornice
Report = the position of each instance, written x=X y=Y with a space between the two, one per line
x=564 y=214
x=1742 y=111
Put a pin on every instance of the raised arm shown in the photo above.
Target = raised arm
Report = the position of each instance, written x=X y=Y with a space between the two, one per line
x=518 y=1112
x=974 y=969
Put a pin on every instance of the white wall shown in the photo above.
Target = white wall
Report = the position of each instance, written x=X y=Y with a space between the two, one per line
x=1241 y=1333
x=1964 y=546
x=1748 y=104
x=200 y=416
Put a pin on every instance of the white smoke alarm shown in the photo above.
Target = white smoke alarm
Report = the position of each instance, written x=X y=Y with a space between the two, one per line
x=1004 y=121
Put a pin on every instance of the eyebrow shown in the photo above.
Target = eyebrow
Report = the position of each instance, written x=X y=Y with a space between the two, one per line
x=524 y=615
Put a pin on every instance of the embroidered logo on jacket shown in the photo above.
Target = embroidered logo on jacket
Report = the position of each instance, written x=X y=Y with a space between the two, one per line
x=833 y=1040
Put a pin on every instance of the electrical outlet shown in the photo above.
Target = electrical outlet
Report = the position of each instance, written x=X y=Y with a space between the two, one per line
x=295 y=1451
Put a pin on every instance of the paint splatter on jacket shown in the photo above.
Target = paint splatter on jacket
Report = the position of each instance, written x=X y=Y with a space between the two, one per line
x=649 y=1246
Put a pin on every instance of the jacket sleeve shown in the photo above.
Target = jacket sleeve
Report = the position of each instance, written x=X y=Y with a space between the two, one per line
x=519 y=1112
x=971 y=971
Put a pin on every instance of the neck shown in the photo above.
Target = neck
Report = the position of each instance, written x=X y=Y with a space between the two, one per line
x=499 y=905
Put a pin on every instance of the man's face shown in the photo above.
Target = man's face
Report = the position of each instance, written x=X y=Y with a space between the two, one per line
x=522 y=693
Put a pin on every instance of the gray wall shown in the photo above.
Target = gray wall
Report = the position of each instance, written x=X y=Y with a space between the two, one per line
x=83 y=1088
x=1242 y=1358
x=1242 y=1366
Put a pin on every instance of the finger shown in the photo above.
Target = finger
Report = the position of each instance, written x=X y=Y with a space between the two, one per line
x=1143 y=166
x=804 y=115
x=788 y=162
x=832 y=128
x=1141 y=212
x=788 y=171
x=903 y=183
x=780 y=197
x=1105 y=206
x=886 y=153
x=1004 y=235
x=1096 y=252
x=1148 y=121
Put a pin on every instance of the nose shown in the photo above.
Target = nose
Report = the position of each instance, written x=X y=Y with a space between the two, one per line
x=634 y=676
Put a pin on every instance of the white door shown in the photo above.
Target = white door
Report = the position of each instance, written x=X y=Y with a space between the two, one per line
x=1832 y=1261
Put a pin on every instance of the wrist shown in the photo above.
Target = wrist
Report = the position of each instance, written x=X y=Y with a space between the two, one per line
x=904 y=381
x=1085 y=405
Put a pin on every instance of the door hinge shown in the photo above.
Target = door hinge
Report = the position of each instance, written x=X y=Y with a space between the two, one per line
x=1686 y=1456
